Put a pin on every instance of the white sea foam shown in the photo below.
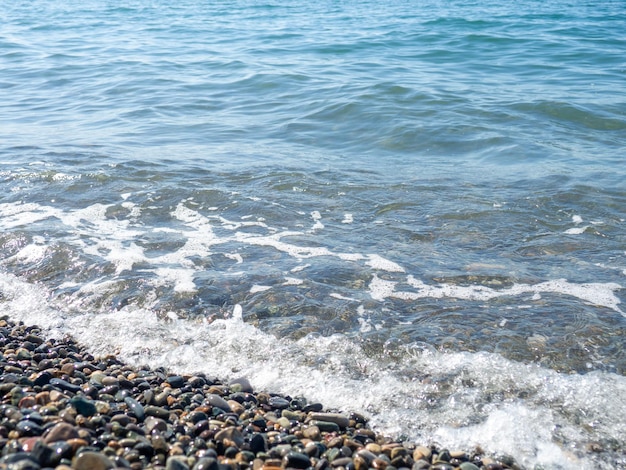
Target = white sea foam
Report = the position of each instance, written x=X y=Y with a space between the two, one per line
x=180 y=277
x=380 y=263
x=459 y=400
x=576 y=230
x=257 y=288
x=601 y=294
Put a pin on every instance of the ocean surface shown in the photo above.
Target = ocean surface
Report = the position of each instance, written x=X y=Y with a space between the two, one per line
x=411 y=209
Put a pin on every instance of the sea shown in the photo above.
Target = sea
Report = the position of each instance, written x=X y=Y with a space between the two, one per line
x=413 y=210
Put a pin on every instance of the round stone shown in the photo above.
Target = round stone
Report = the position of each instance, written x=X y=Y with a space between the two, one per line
x=278 y=402
x=136 y=408
x=83 y=406
x=92 y=461
x=175 y=381
x=60 y=432
x=468 y=466
x=217 y=401
x=241 y=385
x=296 y=460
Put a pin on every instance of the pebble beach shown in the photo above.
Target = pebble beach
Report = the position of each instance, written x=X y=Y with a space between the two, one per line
x=66 y=409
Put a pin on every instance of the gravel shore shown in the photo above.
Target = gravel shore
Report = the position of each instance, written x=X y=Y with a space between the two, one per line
x=62 y=408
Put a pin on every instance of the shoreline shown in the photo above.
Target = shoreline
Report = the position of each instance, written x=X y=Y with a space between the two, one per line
x=64 y=408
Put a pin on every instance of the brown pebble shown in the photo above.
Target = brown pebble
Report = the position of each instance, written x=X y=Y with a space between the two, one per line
x=176 y=449
x=42 y=398
x=92 y=461
x=352 y=444
x=335 y=442
x=216 y=390
x=272 y=464
x=77 y=443
x=379 y=464
x=312 y=432
x=230 y=436
x=108 y=380
x=360 y=463
x=398 y=452
x=56 y=395
x=60 y=432
x=68 y=415
x=387 y=448
x=27 y=402
x=236 y=407
x=366 y=455
x=68 y=369
x=114 y=445
x=374 y=448
x=422 y=453
x=28 y=444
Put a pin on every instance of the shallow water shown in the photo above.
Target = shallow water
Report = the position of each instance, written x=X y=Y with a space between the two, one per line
x=412 y=212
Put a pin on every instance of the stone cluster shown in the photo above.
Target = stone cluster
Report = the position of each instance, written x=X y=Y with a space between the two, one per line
x=63 y=408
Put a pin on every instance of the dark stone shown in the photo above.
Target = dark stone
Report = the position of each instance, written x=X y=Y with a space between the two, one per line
x=322 y=464
x=200 y=427
x=12 y=460
x=34 y=416
x=110 y=389
x=28 y=428
x=64 y=385
x=197 y=416
x=60 y=450
x=136 y=408
x=176 y=463
x=278 y=402
x=43 y=454
x=325 y=426
x=315 y=407
x=145 y=449
x=83 y=406
x=258 y=443
x=206 y=463
x=231 y=452
x=420 y=465
x=296 y=460
x=176 y=381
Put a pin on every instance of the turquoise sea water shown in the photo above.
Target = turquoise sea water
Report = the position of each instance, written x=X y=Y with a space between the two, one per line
x=414 y=210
